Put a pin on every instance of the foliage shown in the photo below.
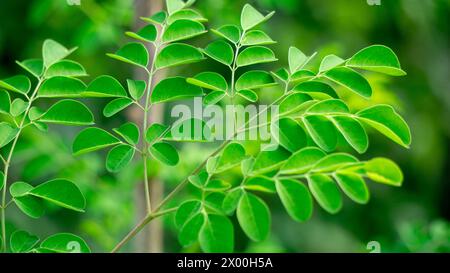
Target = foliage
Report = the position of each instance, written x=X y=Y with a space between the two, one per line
x=55 y=77
x=318 y=129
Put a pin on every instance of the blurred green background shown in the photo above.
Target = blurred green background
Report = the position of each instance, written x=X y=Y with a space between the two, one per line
x=413 y=218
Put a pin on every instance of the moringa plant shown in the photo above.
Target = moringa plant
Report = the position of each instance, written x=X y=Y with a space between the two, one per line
x=312 y=118
x=55 y=77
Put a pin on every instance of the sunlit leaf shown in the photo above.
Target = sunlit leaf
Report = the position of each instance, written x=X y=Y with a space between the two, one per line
x=385 y=120
x=129 y=131
x=377 y=58
x=61 y=87
x=146 y=34
x=250 y=17
x=177 y=54
x=351 y=80
x=65 y=68
x=296 y=199
x=65 y=243
x=132 y=53
x=22 y=241
x=20 y=84
x=105 y=86
x=254 y=217
x=52 y=52
x=115 y=106
x=165 y=153
x=255 y=55
x=61 y=192
x=119 y=157
x=326 y=192
x=384 y=171
x=254 y=80
x=230 y=32
x=172 y=89
x=92 y=139
x=181 y=30
x=220 y=51
x=68 y=112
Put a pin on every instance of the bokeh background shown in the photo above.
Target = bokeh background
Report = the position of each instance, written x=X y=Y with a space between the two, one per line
x=413 y=218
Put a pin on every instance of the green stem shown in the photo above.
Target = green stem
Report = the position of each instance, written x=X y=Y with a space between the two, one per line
x=8 y=162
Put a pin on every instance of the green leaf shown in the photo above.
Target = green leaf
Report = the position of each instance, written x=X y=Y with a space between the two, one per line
x=18 y=189
x=255 y=55
x=190 y=231
x=293 y=103
x=256 y=37
x=174 y=5
x=351 y=80
x=185 y=212
x=145 y=34
x=61 y=87
x=92 y=139
x=254 y=80
x=231 y=156
x=68 y=112
x=330 y=62
x=61 y=192
x=132 y=53
x=53 y=52
x=65 y=68
x=230 y=32
x=325 y=192
x=119 y=157
x=7 y=133
x=333 y=162
x=35 y=113
x=289 y=134
x=231 y=200
x=22 y=241
x=65 y=243
x=247 y=165
x=217 y=185
x=105 y=86
x=177 y=54
x=209 y=80
x=189 y=14
x=220 y=51
x=383 y=170
x=322 y=131
x=136 y=88
x=115 y=106
x=165 y=153
x=260 y=183
x=296 y=59
x=282 y=74
x=254 y=217
x=155 y=132
x=30 y=205
x=216 y=234
x=129 y=131
x=34 y=66
x=296 y=199
x=5 y=102
x=353 y=186
x=250 y=17
x=157 y=18
x=20 y=84
x=302 y=161
x=173 y=89
x=315 y=88
x=384 y=119
x=377 y=58
x=302 y=75
x=18 y=107
x=267 y=161
x=214 y=97
x=199 y=180
x=211 y=164
x=353 y=132
x=248 y=95
x=181 y=30
x=329 y=106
